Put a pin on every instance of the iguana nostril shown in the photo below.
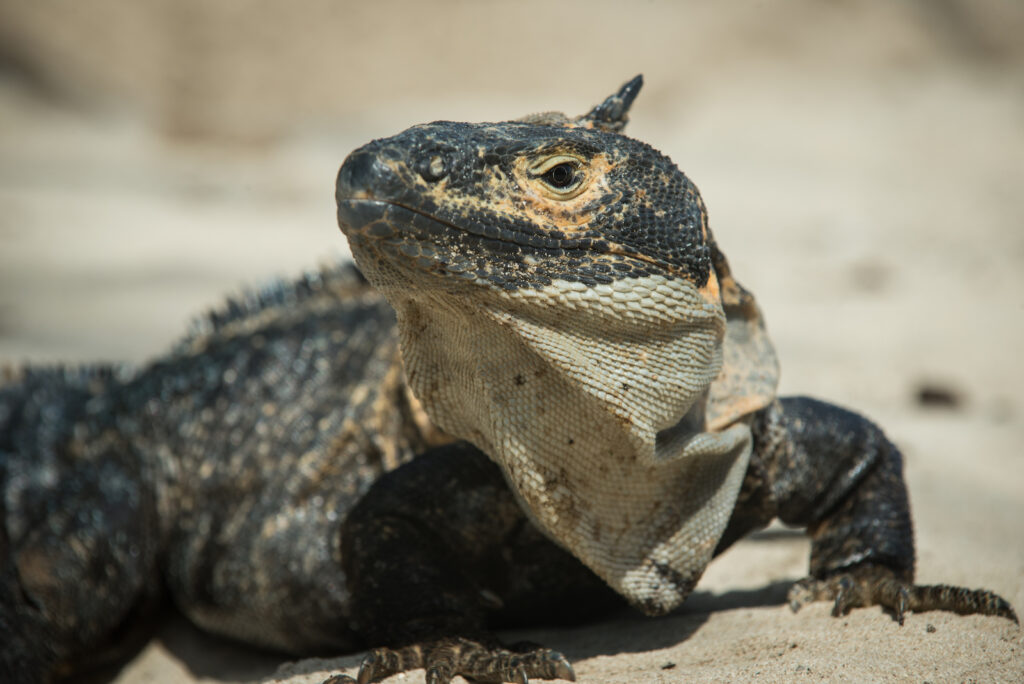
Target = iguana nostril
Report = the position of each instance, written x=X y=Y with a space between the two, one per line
x=366 y=175
x=355 y=173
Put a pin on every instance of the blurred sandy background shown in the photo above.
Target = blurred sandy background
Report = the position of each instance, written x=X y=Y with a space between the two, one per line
x=864 y=168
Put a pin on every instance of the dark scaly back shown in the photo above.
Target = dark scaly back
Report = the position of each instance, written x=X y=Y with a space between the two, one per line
x=245 y=447
x=276 y=415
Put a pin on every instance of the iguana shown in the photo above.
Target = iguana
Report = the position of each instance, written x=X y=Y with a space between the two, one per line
x=583 y=415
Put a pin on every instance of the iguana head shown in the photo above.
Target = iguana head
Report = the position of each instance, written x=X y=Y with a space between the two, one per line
x=520 y=204
x=562 y=305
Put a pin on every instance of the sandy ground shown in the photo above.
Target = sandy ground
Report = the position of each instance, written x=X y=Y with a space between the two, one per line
x=863 y=167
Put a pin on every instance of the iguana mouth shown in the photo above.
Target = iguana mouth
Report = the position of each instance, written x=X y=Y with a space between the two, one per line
x=359 y=214
x=409 y=230
x=378 y=219
x=429 y=244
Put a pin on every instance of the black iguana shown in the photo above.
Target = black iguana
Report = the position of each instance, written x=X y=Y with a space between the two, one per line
x=562 y=307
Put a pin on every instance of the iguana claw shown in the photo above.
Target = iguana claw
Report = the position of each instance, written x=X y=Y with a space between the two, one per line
x=446 y=658
x=872 y=585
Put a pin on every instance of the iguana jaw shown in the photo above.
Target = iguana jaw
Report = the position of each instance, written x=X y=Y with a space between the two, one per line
x=406 y=232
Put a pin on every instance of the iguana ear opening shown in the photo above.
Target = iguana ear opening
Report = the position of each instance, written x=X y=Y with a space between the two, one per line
x=750 y=370
x=613 y=114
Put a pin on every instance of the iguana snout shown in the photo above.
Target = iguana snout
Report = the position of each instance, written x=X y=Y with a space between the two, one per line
x=366 y=175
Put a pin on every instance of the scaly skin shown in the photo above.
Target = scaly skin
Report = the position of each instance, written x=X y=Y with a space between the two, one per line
x=265 y=471
x=222 y=471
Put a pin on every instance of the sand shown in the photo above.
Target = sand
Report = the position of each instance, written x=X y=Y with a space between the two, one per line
x=862 y=164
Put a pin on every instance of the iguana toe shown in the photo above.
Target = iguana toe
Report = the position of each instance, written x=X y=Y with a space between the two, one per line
x=877 y=586
x=445 y=658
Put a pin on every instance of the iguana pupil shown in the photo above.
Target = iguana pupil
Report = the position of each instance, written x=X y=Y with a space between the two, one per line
x=561 y=176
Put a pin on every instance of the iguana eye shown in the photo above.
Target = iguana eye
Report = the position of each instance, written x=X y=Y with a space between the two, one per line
x=563 y=175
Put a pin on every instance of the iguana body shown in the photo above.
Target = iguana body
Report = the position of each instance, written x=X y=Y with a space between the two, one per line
x=562 y=306
x=219 y=470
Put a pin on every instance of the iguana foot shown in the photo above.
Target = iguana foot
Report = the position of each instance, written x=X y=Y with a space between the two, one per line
x=446 y=658
x=872 y=585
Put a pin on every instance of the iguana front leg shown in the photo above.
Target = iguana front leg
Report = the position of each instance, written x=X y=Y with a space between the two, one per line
x=834 y=472
x=437 y=553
